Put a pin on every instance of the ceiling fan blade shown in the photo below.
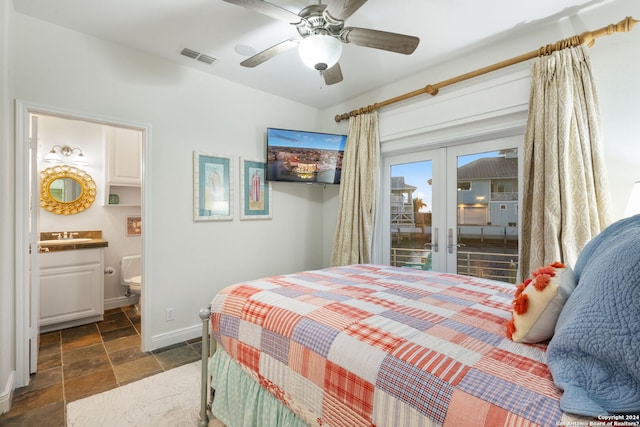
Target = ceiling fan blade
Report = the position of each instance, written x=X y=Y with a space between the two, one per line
x=268 y=9
x=333 y=75
x=376 y=39
x=269 y=53
x=342 y=9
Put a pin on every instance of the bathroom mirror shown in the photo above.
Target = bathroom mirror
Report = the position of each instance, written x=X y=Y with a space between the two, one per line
x=66 y=190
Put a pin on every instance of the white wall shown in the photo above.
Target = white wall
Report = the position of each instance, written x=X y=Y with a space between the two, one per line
x=187 y=110
x=428 y=120
x=616 y=66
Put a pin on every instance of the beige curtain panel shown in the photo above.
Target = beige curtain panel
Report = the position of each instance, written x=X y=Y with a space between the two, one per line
x=566 y=193
x=358 y=189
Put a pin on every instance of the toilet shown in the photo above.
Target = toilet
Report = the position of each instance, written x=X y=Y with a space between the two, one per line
x=131 y=276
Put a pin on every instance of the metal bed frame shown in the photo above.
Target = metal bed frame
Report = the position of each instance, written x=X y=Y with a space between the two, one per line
x=208 y=347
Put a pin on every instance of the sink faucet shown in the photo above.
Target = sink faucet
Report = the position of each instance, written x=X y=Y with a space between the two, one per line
x=65 y=235
x=68 y=235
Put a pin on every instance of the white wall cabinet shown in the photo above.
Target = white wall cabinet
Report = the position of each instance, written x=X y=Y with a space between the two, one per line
x=123 y=154
x=71 y=288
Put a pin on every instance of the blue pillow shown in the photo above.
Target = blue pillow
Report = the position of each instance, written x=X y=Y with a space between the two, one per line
x=609 y=234
x=593 y=355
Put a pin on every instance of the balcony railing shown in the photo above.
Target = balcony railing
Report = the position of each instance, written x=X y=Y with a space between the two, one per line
x=504 y=196
x=496 y=266
x=401 y=257
x=502 y=267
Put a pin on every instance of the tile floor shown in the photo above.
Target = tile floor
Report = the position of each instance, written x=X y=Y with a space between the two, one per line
x=77 y=362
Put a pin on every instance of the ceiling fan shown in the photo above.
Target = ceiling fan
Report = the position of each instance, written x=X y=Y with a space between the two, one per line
x=322 y=33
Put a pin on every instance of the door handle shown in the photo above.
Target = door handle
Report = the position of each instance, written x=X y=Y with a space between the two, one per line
x=451 y=245
x=434 y=244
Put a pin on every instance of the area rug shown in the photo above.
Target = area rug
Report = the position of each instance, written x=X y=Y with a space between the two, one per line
x=170 y=399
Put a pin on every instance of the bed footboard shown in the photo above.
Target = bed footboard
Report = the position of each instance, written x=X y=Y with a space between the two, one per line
x=205 y=315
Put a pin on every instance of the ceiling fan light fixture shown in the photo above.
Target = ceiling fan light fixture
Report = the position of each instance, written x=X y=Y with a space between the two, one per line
x=320 y=51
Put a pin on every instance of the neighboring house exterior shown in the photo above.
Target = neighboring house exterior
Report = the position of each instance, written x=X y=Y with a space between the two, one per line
x=487 y=194
x=488 y=191
x=402 y=213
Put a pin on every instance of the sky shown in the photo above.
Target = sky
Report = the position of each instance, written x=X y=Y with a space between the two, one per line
x=419 y=173
x=294 y=138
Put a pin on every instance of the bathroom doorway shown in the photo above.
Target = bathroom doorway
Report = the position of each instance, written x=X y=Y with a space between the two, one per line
x=40 y=130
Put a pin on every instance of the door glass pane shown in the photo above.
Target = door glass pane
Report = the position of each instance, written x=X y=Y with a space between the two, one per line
x=411 y=208
x=487 y=215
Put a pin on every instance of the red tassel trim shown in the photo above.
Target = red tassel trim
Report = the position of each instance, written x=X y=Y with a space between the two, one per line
x=520 y=289
x=542 y=281
x=511 y=329
x=521 y=304
x=549 y=270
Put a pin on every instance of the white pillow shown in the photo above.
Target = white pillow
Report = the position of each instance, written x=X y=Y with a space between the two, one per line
x=538 y=303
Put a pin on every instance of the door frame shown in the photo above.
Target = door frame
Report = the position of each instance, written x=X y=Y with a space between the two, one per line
x=23 y=187
x=34 y=261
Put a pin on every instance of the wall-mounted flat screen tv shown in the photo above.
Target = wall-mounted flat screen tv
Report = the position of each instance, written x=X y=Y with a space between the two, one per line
x=301 y=156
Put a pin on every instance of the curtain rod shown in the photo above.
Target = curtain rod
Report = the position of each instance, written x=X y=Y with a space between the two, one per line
x=588 y=37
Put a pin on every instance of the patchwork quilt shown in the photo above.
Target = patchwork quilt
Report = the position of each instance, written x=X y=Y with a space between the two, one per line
x=366 y=345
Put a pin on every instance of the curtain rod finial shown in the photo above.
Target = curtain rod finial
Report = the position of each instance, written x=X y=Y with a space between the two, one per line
x=627 y=23
x=624 y=26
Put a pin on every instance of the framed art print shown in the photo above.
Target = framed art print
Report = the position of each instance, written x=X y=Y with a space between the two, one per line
x=134 y=225
x=255 y=197
x=212 y=187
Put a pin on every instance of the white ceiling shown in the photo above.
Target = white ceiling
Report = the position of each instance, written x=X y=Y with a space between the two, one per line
x=219 y=29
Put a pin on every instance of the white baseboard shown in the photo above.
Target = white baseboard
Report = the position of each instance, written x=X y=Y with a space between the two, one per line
x=173 y=337
x=120 y=302
x=71 y=323
x=7 y=394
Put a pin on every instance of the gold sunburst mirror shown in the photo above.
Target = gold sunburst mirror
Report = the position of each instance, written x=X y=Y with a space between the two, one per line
x=66 y=190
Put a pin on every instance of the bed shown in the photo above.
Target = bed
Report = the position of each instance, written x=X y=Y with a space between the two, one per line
x=366 y=345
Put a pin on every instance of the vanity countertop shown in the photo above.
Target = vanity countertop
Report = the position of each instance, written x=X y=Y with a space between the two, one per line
x=49 y=241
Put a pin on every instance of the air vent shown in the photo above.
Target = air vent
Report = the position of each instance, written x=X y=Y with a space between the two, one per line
x=206 y=59
x=190 y=53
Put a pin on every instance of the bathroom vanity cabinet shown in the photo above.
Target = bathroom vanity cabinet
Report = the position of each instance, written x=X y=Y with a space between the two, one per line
x=71 y=288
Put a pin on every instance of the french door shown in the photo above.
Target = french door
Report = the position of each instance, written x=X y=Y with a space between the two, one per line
x=453 y=209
